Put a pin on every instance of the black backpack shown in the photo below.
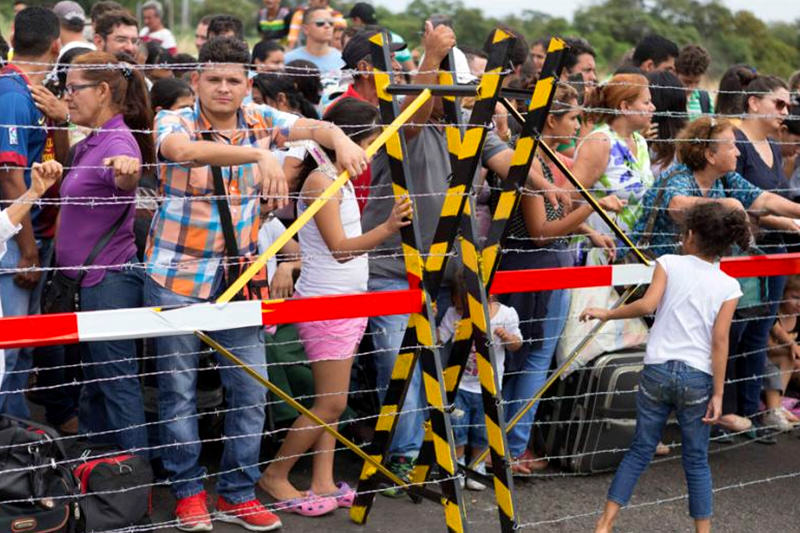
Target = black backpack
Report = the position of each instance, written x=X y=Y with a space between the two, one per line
x=37 y=490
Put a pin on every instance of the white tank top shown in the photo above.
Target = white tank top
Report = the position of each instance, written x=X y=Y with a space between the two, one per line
x=321 y=274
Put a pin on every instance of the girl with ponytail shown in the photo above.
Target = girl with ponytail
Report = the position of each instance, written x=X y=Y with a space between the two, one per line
x=109 y=97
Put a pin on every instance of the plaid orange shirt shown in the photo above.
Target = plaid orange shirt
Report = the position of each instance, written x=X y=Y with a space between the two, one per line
x=186 y=244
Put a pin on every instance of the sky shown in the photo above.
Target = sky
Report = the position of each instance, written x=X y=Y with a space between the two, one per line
x=770 y=10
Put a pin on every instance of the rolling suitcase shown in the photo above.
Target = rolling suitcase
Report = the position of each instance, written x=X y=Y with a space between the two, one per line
x=603 y=419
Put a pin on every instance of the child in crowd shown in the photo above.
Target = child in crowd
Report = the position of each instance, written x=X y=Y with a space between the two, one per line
x=334 y=262
x=469 y=425
x=784 y=358
x=687 y=352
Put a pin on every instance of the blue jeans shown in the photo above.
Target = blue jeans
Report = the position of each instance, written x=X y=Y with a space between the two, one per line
x=111 y=398
x=750 y=337
x=671 y=386
x=177 y=364
x=388 y=333
x=519 y=387
x=19 y=302
x=387 y=338
x=469 y=424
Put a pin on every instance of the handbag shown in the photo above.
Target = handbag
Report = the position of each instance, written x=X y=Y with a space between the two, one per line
x=258 y=286
x=37 y=489
x=62 y=294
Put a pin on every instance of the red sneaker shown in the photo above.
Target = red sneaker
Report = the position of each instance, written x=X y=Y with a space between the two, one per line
x=192 y=513
x=250 y=515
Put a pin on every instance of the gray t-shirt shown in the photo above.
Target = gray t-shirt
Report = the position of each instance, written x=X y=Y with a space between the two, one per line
x=429 y=166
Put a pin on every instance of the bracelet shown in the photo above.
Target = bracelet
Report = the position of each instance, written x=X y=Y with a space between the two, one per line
x=67 y=121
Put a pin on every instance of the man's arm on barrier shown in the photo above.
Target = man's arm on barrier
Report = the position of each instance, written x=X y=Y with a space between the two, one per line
x=12 y=185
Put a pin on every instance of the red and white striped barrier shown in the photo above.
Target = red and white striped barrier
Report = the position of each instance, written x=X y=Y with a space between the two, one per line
x=158 y=322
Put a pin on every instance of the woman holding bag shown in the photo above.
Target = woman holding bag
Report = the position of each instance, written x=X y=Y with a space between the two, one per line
x=98 y=233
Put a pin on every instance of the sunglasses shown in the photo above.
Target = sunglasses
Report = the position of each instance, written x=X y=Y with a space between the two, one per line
x=781 y=105
x=321 y=23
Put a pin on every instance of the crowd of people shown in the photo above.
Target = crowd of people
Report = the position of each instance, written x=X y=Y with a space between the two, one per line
x=141 y=175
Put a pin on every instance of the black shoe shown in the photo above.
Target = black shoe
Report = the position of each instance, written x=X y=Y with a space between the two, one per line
x=761 y=434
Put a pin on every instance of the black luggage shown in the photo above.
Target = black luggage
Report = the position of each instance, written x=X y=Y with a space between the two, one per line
x=116 y=489
x=603 y=418
x=37 y=491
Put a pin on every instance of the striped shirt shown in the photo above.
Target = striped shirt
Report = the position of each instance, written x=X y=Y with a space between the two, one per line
x=186 y=244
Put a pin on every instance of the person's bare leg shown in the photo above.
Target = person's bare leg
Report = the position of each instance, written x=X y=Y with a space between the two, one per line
x=334 y=379
x=702 y=526
x=305 y=433
x=605 y=524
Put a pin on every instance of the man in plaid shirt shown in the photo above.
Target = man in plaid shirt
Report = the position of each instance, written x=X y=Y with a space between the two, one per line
x=184 y=266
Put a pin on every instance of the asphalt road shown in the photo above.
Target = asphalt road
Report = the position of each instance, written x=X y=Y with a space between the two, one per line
x=756 y=490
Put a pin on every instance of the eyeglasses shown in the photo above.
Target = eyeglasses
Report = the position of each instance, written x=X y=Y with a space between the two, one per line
x=781 y=105
x=321 y=23
x=72 y=88
x=119 y=39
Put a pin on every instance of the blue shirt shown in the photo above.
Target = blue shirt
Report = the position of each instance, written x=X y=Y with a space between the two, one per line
x=752 y=168
x=681 y=182
x=329 y=65
x=22 y=132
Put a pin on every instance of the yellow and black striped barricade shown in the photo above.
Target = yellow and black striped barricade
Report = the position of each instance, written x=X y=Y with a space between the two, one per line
x=464 y=157
x=419 y=337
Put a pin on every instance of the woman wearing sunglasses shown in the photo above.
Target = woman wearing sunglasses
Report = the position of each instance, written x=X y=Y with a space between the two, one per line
x=766 y=104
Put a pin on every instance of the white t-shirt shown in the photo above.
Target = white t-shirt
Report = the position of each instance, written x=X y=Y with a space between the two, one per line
x=685 y=317
x=7 y=230
x=507 y=318
x=162 y=37
x=321 y=274
x=267 y=234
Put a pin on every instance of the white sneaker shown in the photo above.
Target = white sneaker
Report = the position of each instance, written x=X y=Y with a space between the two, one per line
x=774 y=418
x=474 y=484
x=788 y=415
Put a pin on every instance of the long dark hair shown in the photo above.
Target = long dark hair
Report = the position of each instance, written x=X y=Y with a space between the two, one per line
x=669 y=98
x=272 y=84
x=358 y=120
x=729 y=99
x=128 y=94
x=306 y=78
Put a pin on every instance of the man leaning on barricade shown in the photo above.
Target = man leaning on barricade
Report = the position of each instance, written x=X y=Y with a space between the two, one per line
x=186 y=263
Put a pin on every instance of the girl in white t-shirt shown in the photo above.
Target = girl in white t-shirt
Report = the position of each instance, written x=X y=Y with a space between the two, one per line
x=687 y=352
x=334 y=261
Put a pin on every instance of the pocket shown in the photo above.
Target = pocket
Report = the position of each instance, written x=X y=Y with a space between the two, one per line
x=649 y=386
x=697 y=392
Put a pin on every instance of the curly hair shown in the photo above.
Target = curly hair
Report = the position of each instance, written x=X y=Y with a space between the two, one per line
x=697 y=137
x=717 y=227
x=693 y=60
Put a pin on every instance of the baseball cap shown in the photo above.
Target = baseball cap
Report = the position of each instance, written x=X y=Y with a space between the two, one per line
x=359 y=47
x=70 y=12
x=364 y=11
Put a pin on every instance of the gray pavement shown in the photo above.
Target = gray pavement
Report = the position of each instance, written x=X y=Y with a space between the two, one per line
x=757 y=491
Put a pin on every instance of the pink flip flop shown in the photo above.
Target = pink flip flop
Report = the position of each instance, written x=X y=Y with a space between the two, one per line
x=345 y=495
x=311 y=505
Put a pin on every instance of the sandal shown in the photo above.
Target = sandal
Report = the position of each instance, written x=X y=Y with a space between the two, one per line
x=345 y=495
x=310 y=505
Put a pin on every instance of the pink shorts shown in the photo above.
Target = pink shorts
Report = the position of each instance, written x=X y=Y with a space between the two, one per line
x=331 y=339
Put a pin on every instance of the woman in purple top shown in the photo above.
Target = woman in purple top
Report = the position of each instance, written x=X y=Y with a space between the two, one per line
x=97 y=192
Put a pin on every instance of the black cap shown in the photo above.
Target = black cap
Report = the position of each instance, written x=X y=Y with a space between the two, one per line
x=359 y=47
x=364 y=11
